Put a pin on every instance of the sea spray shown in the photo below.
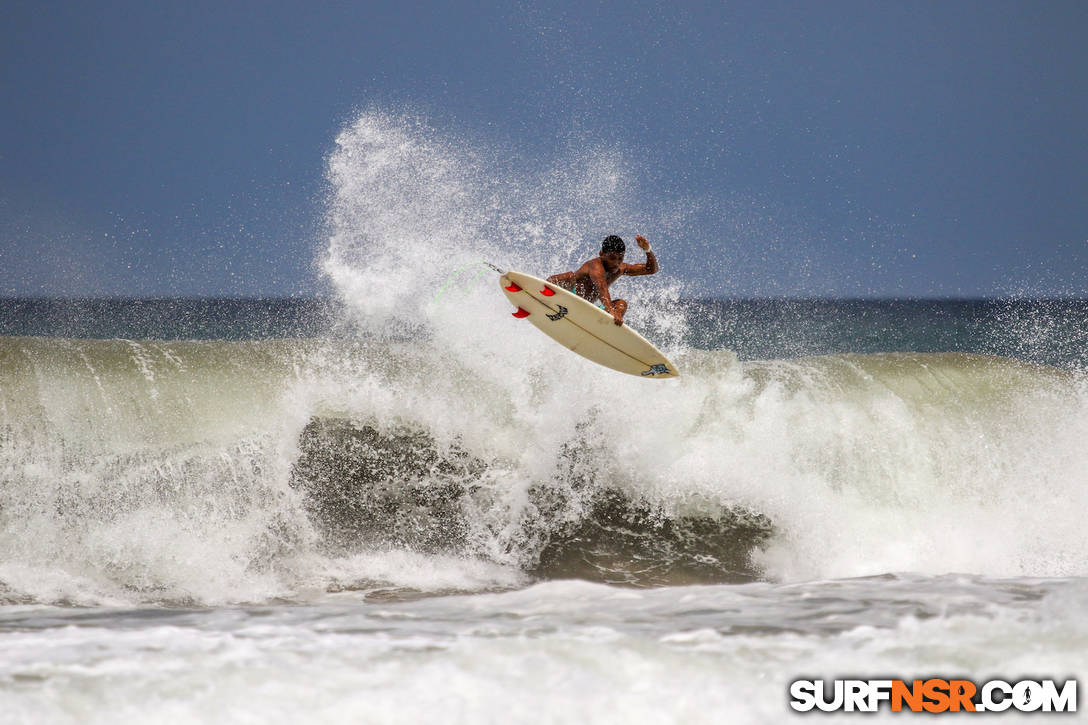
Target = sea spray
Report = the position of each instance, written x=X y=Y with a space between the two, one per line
x=409 y=205
x=250 y=474
x=439 y=444
x=837 y=451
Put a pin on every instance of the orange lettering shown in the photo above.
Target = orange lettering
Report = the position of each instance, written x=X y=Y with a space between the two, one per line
x=911 y=695
x=961 y=692
x=936 y=691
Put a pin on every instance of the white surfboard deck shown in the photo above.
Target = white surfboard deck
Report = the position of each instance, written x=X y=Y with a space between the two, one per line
x=581 y=326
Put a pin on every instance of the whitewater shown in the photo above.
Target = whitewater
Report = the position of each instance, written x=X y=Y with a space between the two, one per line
x=428 y=510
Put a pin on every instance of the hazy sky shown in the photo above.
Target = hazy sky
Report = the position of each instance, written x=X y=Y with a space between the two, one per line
x=834 y=148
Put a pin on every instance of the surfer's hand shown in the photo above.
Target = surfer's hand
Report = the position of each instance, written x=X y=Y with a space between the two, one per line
x=643 y=242
x=619 y=309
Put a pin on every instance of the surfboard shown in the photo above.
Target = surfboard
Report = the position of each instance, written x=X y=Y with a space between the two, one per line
x=584 y=328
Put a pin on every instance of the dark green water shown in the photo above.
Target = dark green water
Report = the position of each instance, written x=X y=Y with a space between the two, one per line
x=1053 y=332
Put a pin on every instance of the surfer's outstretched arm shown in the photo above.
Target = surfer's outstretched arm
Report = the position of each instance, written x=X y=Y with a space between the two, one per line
x=650 y=267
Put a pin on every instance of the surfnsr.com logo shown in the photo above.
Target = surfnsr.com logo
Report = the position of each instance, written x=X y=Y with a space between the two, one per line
x=934 y=695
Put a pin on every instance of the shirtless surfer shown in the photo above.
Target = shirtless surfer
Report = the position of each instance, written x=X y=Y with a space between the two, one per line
x=592 y=279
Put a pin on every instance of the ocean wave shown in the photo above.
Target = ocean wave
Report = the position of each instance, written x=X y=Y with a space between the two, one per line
x=433 y=443
x=204 y=472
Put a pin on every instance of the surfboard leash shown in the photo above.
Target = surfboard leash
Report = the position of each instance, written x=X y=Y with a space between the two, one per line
x=457 y=273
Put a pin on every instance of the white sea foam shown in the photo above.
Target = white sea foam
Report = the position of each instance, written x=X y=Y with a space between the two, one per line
x=167 y=471
x=559 y=651
x=176 y=489
x=911 y=463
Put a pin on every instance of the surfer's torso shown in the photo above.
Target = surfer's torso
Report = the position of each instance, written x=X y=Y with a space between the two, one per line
x=582 y=283
x=592 y=279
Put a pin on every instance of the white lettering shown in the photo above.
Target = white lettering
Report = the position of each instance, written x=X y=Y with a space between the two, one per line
x=804 y=695
x=879 y=691
x=856 y=696
x=1027 y=696
x=1064 y=701
x=990 y=704
x=835 y=702
x=994 y=696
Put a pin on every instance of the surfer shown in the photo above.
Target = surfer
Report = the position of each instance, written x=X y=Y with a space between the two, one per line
x=591 y=280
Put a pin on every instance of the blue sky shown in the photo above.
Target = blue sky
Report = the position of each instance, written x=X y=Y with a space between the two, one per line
x=833 y=148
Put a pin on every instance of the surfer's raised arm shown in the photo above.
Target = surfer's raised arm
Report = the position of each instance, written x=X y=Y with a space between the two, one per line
x=650 y=267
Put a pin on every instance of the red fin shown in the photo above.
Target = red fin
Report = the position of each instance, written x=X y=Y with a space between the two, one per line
x=547 y=292
x=513 y=288
x=520 y=313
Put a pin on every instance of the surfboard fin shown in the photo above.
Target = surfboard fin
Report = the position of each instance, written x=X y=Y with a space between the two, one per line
x=520 y=313
x=513 y=288
x=547 y=292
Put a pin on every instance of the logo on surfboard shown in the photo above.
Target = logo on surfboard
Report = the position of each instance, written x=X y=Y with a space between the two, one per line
x=659 y=369
x=558 y=315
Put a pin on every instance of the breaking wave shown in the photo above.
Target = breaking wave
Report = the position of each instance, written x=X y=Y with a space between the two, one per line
x=434 y=444
x=214 y=471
